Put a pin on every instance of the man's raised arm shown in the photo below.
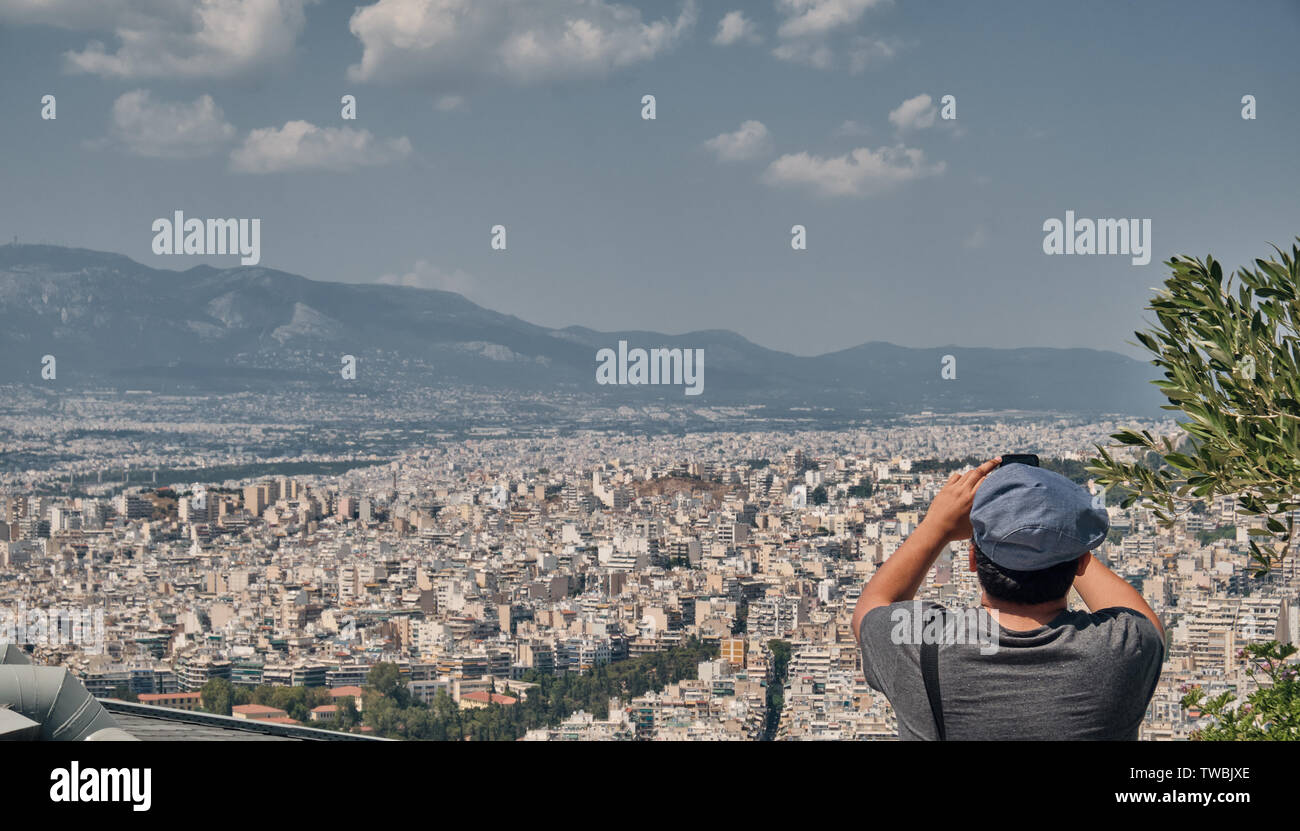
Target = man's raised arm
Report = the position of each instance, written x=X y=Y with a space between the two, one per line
x=947 y=520
x=1101 y=588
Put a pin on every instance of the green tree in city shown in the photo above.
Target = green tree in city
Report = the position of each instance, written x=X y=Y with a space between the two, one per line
x=1229 y=349
x=386 y=679
x=348 y=715
x=780 y=656
x=776 y=686
x=241 y=695
x=819 y=495
x=742 y=618
x=547 y=704
x=1071 y=469
x=123 y=693
x=217 y=696
x=1270 y=713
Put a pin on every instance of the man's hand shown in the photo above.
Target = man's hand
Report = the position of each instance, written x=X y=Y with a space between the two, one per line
x=948 y=519
x=949 y=514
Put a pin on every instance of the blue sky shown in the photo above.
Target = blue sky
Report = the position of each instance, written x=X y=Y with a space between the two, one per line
x=921 y=231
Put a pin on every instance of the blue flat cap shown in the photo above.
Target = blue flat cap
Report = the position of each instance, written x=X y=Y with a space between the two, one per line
x=1028 y=519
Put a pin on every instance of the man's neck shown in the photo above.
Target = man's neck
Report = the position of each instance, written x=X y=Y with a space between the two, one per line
x=1019 y=617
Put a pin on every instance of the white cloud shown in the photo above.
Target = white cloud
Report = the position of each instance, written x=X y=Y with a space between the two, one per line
x=749 y=142
x=734 y=28
x=173 y=39
x=447 y=103
x=863 y=172
x=817 y=17
x=864 y=51
x=425 y=275
x=809 y=29
x=168 y=130
x=914 y=114
x=452 y=43
x=299 y=145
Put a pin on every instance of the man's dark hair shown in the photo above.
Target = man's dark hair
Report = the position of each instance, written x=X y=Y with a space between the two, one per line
x=1027 y=587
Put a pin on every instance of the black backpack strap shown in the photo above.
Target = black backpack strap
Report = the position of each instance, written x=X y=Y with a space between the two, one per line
x=930 y=674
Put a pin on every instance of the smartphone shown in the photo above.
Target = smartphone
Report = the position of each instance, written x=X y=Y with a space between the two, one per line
x=1019 y=459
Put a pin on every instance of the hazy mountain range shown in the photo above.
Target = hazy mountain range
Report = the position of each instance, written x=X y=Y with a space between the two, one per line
x=110 y=321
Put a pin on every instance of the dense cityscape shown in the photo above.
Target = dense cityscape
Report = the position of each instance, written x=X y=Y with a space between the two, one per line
x=696 y=586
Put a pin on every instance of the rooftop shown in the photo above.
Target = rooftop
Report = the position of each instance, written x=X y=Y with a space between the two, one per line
x=162 y=724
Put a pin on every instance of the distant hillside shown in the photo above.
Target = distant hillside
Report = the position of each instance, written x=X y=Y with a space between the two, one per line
x=112 y=321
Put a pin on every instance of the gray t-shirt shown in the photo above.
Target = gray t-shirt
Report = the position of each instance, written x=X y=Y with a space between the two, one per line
x=1082 y=676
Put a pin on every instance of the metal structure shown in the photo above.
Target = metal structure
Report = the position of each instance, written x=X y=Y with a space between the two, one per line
x=49 y=704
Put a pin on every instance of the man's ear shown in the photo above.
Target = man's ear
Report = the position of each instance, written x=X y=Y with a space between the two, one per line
x=971 y=556
x=1083 y=563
